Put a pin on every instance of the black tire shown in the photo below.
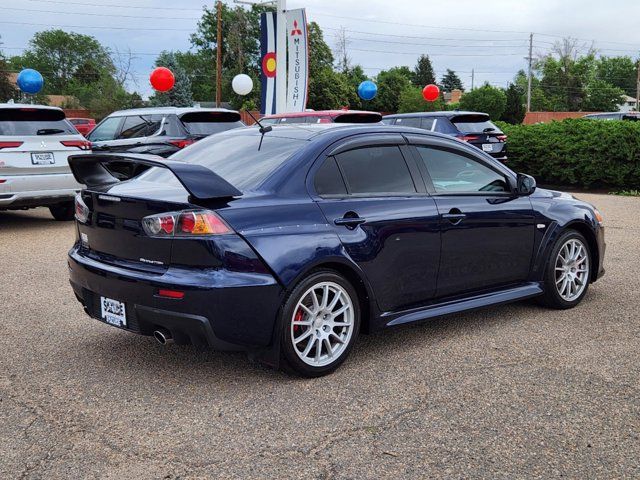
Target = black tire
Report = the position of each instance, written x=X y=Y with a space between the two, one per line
x=552 y=297
x=63 y=211
x=291 y=361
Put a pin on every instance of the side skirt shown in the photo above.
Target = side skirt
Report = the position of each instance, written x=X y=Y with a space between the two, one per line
x=495 y=298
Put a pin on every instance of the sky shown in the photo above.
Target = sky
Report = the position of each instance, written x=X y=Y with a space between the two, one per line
x=490 y=37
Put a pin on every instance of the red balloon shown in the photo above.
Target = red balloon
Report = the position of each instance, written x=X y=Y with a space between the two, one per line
x=162 y=79
x=431 y=92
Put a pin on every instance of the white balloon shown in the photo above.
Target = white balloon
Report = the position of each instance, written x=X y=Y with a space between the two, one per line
x=242 y=84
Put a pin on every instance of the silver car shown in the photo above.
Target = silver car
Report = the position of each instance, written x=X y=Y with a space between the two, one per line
x=35 y=142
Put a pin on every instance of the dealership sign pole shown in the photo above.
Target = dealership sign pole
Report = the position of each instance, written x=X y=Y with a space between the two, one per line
x=284 y=89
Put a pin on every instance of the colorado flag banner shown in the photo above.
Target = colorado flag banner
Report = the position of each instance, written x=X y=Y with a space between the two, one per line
x=268 y=56
x=298 y=60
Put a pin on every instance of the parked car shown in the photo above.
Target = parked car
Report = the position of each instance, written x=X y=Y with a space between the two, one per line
x=83 y=125
x=35 y=142
x=472 y=127
x=160 y=131
x=322 y=116
x=633 y=116
x=289 y=243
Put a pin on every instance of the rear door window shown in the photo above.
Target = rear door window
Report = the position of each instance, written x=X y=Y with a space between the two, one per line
x=106 y=130
x=136 y=126
x=34 y=121
x=427 y=123
x=376 y=171
x=409 y=122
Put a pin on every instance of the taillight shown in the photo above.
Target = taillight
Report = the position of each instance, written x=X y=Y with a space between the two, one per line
x=502 y=138
x=81 y=144
x=184 y=224
x=10 y=144
x=468 y=138
x=82 y=211
x=181 y=143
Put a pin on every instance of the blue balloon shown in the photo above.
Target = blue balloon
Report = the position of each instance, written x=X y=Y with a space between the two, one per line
x=367 y=90
x=30 y=81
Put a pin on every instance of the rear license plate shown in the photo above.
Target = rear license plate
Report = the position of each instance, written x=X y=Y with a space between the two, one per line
x=44 y=158
x=113 y=312
x=487 y=147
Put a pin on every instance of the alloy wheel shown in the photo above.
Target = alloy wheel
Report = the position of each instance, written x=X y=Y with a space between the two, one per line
x=572 y=269
x=322 y=324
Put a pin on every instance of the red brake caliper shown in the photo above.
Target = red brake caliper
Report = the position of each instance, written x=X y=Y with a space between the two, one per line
x=298 y=318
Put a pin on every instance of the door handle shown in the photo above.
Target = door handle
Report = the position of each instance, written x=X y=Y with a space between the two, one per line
x=350 y=222
x=455 y=216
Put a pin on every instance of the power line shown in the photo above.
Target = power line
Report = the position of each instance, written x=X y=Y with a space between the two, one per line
x=163 y=29
x=90 y=14
x=110 y=5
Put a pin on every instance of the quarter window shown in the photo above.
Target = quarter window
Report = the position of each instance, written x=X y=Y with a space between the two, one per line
x=328 y=179
x=376 y=170
x=451 y=172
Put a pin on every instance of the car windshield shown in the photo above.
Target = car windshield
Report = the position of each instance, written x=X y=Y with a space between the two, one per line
x=33 y=121
x=475 y=125
x=235 y=158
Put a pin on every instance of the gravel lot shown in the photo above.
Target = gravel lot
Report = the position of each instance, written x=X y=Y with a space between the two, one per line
x=514 y=391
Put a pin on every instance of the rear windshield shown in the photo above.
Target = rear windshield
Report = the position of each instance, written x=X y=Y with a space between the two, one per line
x=207 y=122
x=358 y=118
x=33 y=121
x=475 y=125
x=235 y=158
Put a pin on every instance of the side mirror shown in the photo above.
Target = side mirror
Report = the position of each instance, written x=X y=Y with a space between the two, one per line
x=526 y=185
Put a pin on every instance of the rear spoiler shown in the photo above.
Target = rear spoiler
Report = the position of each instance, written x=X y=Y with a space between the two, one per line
x=199 y=181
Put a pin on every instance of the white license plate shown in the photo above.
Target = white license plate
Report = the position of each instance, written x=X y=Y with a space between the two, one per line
x=487 y=147
x=113 y=312
x=45 y=158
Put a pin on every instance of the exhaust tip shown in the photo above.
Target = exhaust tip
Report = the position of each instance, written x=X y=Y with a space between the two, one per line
x=163 y=336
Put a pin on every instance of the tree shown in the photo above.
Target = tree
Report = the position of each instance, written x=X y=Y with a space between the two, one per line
x=342 y=48
x=180 y=94
x=451 y=81
x=423 y=72
x=411 y=100
x=487 y=99
x=620 y=72
x=602 y=96
x=63 y=57
x=7 y=90
x=391 y=84
x=514 y=107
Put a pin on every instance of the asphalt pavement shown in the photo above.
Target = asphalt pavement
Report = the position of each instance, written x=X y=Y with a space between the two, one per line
x=516 y=391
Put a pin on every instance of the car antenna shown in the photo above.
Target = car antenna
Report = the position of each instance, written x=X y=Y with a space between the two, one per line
x=263 y=129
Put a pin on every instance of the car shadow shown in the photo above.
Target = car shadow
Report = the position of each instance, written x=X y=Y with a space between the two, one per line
x=27 y=219
x=193 y=364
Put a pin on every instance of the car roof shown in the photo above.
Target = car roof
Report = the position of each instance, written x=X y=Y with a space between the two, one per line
x=167 y=110
x=445 y=113
x=26 y=105
x=319 y=113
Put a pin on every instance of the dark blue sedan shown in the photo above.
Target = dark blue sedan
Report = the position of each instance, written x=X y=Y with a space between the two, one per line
x=289 y=243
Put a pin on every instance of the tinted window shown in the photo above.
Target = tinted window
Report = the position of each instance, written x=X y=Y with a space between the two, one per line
x=136 y=126
x=234 y=157
x=33 y=121
x=106 y=130
x=388 y=121
x=427 y=123
x=444 y=126
x=79 y=121
x=475 y=125
x=376 y=170
x=451 y=173
x=328 y=180
x=409 y=122
x=209 y=128
x=294 y=120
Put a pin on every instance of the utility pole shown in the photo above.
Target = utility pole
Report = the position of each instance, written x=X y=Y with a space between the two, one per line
x=472 y=78
x=530 y=58
x=281 y=57
x=219 y=57
x=638 y=88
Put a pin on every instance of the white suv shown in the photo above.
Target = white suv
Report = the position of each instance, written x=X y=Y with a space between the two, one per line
x=35 y=142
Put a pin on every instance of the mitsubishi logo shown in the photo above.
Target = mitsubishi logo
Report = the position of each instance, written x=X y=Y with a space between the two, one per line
x=43 y=144
x=296 y=30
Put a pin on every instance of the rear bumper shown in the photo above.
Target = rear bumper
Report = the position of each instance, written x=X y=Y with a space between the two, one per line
x=222 y=309
x=23 y=191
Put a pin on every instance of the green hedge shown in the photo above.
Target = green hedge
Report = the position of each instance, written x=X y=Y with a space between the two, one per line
x=579 y=153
